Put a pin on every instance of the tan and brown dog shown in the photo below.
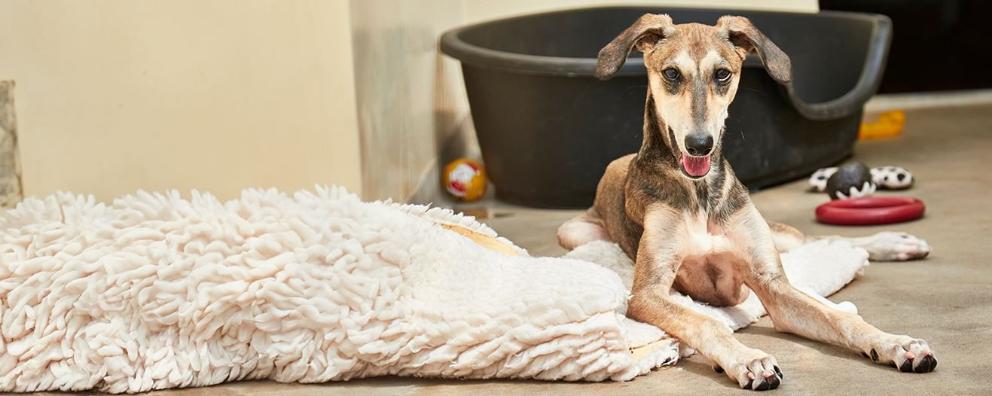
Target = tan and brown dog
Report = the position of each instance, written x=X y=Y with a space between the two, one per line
x=676 y=208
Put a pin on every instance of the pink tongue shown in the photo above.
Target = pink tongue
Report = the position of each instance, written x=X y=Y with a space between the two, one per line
x=696 y=166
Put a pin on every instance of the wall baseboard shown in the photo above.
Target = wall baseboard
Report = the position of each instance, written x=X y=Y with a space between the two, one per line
x=920 y=100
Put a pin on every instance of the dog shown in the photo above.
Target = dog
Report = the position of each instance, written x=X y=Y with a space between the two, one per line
x=677 y=209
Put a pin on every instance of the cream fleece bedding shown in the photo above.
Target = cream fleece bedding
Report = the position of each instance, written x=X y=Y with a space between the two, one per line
x=158 y=291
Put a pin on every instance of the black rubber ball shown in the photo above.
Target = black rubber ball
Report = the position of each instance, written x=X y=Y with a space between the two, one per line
x=851 y=175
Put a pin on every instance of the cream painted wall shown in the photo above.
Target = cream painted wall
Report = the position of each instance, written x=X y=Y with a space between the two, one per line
x=411 y=101
x=117 y=95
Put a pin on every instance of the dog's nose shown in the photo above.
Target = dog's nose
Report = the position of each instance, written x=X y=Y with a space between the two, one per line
x=699 y=144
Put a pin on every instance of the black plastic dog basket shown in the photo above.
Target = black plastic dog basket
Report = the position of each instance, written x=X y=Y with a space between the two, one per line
x=548 y=128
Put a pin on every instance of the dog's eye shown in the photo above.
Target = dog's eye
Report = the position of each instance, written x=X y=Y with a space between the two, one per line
x=671 y=74
x=723 y=76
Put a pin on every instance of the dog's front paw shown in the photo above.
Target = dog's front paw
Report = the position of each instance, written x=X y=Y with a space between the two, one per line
x=894 y=246
x=755 y=370
x=907 y=354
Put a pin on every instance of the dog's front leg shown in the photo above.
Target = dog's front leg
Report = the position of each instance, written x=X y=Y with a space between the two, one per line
x=795 y=312
x=658 y=260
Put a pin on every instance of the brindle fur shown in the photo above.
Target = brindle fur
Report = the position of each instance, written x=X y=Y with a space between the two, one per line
x=702 y=236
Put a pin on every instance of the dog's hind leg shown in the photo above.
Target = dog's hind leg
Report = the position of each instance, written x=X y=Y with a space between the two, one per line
x=786 y=237
x=883 y=246
x=582 y=229
x=890 y=246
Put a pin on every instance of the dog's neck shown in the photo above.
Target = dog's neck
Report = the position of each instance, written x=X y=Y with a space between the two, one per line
x=655 y=148
x=658 y=155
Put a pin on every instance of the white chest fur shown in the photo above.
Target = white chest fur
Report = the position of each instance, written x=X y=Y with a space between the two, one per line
x=703 y=237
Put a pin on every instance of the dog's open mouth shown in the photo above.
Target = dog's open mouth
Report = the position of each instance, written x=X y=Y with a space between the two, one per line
x=695 y=166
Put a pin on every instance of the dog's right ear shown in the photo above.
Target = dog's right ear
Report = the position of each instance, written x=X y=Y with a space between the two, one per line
x=644 y=34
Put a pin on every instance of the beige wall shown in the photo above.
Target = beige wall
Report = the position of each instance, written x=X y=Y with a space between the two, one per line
x=411 y=101
x=113 y=96
x=117 y=95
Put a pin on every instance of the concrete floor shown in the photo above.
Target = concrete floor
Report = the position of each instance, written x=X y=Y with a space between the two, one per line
x=945 y=299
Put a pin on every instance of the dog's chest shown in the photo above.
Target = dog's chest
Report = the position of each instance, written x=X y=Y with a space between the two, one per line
x=702 y=237
x=708 y=271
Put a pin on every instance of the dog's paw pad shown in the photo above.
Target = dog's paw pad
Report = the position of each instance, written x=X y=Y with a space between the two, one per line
x=765 y=381
x=759 y=372
x=927 y=364
x=905 y=354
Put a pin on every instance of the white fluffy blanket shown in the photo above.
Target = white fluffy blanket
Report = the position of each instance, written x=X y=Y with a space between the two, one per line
x=156 y=291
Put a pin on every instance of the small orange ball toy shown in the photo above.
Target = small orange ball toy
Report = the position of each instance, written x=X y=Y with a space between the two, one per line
x=465 y=179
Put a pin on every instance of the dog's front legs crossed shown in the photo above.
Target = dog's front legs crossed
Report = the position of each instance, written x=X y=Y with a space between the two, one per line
x=659 y=256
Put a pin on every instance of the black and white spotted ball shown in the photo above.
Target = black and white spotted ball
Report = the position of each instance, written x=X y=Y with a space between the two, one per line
x=818 y=180
x=892 y=177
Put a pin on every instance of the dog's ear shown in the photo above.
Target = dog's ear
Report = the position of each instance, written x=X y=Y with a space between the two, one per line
x=644 y=34
x=746 y=38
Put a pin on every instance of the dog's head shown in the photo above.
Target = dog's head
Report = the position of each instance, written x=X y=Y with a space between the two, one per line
x=693 y=72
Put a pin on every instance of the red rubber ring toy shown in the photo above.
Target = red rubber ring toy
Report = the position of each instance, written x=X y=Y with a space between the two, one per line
x=870 y=211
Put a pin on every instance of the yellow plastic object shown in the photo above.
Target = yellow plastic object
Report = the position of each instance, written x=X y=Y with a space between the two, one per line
x=465 y=179
x=888 y=125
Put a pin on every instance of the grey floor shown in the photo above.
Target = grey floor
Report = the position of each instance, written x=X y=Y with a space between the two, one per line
x=946 y=299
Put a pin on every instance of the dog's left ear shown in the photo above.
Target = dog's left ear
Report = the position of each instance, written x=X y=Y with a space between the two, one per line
x=746 y=38
x=645 y=33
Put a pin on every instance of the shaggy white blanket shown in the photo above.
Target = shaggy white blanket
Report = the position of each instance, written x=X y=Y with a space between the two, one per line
x=156 y=291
